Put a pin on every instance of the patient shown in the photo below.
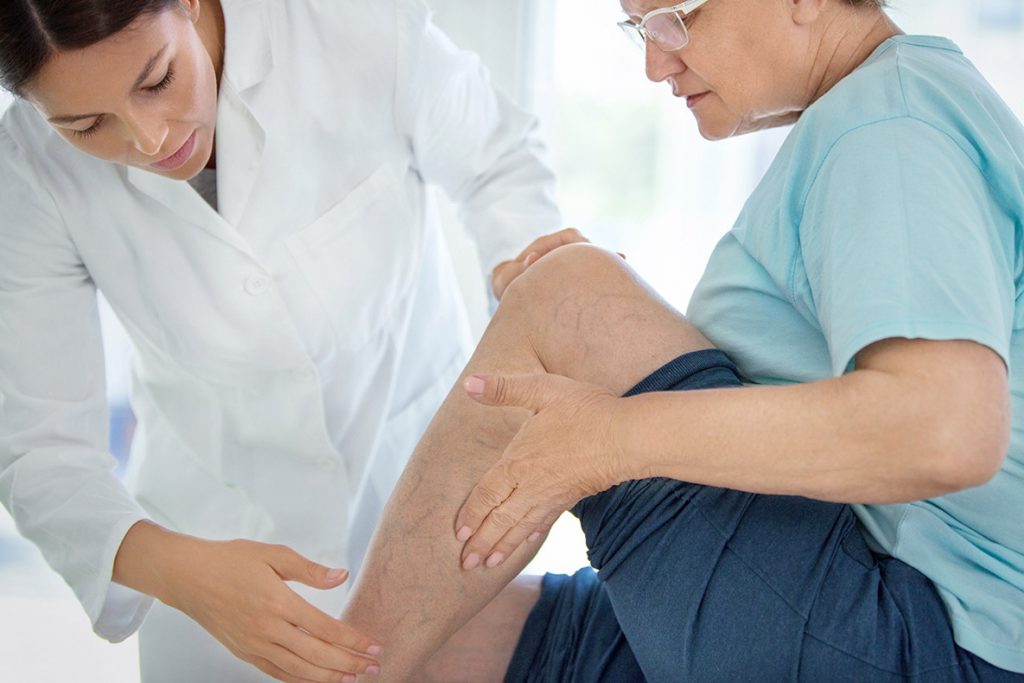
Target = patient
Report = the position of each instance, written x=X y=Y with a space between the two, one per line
x=837 y=505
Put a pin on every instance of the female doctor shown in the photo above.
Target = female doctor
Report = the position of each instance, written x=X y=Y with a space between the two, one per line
x=294 y=317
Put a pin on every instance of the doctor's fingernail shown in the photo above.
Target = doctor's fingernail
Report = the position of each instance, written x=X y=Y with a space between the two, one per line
x=335 y=574
x=374 y=650
x=471 y=562
x=533 y=538
x=474 y=385
x=495 y=559
x=348 y=678
x=464 y=534
x=373 y=669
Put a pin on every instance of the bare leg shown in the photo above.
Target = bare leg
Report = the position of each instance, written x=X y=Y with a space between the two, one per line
x=579 y=312
x=480 y=651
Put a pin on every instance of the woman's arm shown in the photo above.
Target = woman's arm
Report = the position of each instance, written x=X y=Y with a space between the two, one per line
x=917 y=419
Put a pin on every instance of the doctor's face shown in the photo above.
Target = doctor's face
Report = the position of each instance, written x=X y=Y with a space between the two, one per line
x=740 y=70
x=144 y=97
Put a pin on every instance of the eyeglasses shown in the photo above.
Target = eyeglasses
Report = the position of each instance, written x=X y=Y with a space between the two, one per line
x=666 y=27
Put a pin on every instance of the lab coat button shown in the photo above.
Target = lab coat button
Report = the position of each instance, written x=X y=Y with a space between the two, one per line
x=257 y=284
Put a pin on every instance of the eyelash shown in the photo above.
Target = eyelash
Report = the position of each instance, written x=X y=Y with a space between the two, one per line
x=158 y=88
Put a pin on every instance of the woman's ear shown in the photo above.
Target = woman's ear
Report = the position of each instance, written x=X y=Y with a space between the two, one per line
x=191 y=8
x=804 y=12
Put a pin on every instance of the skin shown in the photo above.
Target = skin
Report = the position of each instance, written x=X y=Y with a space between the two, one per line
x=135 y=99
x=739 y=52
x=132 y=122
x=536 y=422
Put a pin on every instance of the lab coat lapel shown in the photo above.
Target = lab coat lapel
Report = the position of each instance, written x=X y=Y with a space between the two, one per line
x=241 y=139
x=186 y=203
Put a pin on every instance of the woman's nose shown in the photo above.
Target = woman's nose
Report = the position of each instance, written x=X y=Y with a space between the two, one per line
x=148 y=135
x=660 y=64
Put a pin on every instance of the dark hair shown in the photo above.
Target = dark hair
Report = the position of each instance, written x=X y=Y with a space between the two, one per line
x=32 y=31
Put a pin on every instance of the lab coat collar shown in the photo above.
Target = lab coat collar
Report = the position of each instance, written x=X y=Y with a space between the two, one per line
x=179 y=197
x=248 y=51
x=240 y=139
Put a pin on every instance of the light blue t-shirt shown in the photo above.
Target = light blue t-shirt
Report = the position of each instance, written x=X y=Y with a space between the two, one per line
x=895 y=208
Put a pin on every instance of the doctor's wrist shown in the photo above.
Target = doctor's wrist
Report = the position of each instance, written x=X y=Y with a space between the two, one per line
x=147 y=558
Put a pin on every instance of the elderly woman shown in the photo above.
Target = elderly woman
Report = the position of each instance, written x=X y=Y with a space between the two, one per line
x=816 y=475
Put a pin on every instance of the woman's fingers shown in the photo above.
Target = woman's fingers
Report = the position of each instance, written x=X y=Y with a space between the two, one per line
x=532 y=522
x=547 y=243
x=296 y=666
x=292 y=566
x=492 y=490
x=334 y=634
x=274 y=671
x=500 y=519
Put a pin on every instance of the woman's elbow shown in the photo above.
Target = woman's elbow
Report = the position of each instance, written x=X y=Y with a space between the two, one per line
x=972 y=451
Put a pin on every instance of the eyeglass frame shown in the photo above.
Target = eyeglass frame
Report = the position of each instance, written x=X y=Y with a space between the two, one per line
x=686 y=7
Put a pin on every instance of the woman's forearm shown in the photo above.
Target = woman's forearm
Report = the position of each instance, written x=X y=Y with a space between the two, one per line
x=867 y=437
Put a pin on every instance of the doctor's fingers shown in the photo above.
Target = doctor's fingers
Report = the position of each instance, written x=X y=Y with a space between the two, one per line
x=294 y=665
x=274 y=671
x=546 y=243
x=332 y=631
x=330 y=642
x=324 y=655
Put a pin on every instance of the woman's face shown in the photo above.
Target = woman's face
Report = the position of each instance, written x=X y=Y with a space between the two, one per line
x=145 y=97
x=743 y=68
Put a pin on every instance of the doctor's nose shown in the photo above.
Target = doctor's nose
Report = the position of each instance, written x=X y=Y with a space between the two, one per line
x=148 y=135
x=659 y=64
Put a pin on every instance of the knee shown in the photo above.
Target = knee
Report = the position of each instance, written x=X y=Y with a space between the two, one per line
x=564 y=272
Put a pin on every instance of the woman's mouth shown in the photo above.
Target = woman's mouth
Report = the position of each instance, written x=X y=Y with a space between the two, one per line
x=693 y=100
x=178 y=159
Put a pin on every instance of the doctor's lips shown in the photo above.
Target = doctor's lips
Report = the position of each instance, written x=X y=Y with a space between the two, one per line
x=178 y=159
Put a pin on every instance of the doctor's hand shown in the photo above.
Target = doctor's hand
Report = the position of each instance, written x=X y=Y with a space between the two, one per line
x=565 y=452
x=236 y=591
x=507 y=271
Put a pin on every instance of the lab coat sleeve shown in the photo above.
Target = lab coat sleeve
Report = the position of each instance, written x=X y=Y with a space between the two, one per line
x=471 y=140
x=56 y=476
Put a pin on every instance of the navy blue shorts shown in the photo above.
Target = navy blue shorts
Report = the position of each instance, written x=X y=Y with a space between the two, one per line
x=695 y=583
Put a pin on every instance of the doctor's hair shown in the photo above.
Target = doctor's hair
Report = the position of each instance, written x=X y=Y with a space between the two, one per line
x=33 y=31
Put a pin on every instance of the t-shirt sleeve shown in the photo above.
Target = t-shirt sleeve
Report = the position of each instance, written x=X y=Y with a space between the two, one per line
x=900 y=237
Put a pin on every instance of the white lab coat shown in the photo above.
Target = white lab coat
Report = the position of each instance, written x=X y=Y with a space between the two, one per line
x=289 y=350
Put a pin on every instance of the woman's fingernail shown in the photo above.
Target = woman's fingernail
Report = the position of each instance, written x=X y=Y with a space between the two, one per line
x=374 y=650
x=335 y=574
x=373 y=669
x=471 y=562
x=464 y=534
x=495 y=559
x=534 y=537
x=474 y=385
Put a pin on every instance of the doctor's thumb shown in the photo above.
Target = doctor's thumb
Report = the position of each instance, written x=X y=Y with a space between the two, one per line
x=291 y=566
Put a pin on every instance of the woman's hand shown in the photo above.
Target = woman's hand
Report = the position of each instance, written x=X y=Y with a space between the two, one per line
x=562 y=454
x=507 y=271
x=236 y=591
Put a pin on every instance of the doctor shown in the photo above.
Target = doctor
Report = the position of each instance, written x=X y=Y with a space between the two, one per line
x=293 y=311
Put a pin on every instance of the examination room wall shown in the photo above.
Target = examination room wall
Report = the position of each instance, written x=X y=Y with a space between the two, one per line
x=634 y=176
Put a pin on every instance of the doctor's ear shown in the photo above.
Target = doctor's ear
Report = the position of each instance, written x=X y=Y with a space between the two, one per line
x=191 y=8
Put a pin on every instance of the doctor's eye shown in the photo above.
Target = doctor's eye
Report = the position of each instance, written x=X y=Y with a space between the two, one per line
x=164 y=84
x=90 y=130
